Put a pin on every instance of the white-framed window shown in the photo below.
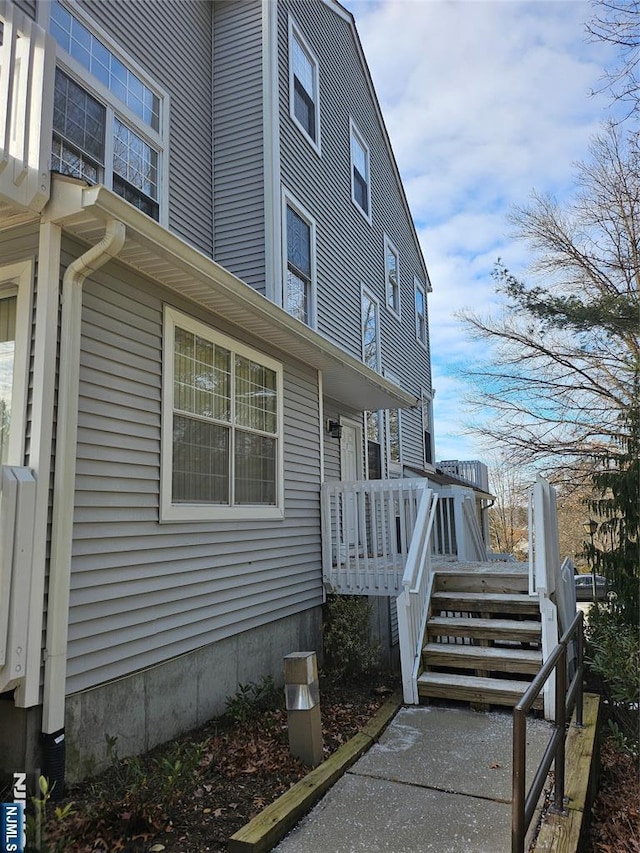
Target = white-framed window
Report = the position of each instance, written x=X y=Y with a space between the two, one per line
x=222 y=453
x=421 y=311
x=392 y=276
x=299 y=249
x=394 y=447
x=110 y=121
x=426 y=408
x=15 y=328
x=370 y=330
x=374 y=430
x=360 y=173
x=304 y=89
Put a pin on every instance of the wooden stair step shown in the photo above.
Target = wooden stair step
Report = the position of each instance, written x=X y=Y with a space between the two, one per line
x=481 y=581
x=524 y=630
x=491 y=659
x=493 y=602
x=469 y=688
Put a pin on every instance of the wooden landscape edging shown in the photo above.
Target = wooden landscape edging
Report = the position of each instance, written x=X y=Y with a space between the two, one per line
x=272 y=824
x=565 y=833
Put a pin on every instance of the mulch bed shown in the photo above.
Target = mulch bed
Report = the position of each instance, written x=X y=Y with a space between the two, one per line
x=191 y=795
x=615 y=821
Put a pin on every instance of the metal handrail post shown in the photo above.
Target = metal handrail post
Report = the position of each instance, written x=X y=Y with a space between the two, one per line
x=580 y=691
x=518 y=777
x=561 y=719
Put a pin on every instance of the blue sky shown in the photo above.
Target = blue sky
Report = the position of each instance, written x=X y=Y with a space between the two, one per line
x=484 y=101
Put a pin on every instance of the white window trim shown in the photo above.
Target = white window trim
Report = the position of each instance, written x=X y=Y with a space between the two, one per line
x=389 y=245
x=17 y=280
x=392 y=465
x=289 y=200
x=364 y=291
x=159 y=140
x=381 y=436
x=354 y=132
x=296 y=33
x=206 y=512
x=418 y=286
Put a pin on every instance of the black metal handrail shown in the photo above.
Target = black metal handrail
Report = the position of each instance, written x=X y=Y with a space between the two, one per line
x=523 y=803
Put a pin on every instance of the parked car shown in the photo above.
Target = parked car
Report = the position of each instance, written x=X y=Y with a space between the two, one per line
x=584 y=587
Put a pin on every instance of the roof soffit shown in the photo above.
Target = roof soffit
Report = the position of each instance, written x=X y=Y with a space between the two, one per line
x=161 y=255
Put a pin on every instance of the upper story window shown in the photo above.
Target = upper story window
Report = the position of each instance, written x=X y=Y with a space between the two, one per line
x=299 y=283
x=392 y=276
x=107 y=123
x=222 y=426
x=421 y=311
x=370 y=330
x=304 y=99
x=360 y=176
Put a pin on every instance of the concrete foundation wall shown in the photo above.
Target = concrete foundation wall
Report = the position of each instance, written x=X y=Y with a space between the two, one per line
x=19 y=739
x=159 y=703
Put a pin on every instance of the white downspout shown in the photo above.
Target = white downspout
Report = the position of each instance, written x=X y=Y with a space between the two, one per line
x=65 y=471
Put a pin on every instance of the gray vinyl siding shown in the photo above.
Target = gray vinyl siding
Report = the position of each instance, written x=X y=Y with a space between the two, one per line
x=239 y=232
x=172 y=43
x=27 y=6
x=143 y=592
x=350 y=251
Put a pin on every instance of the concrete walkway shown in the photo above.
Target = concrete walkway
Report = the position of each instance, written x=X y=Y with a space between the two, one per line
x=438 y=780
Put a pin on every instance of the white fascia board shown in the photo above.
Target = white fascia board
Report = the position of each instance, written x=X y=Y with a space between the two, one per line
x=158 y=253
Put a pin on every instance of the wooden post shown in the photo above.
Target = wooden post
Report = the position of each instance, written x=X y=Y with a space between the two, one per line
x=303 y=707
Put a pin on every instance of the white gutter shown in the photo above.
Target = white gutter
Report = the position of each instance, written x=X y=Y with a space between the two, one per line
x=65 y=472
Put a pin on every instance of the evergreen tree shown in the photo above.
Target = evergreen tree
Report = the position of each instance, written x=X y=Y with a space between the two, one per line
x=617 y=487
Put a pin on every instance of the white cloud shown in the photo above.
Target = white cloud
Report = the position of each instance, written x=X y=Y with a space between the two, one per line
x=484 y=101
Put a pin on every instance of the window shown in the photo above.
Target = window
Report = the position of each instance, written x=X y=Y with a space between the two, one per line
x=299 y=283
x=370 y=331
x=15 y=327
x=374 y=446
x=107 y=126
x=392 y=276
x=304 y=102
x=222 y=430
x=360 y=179
x=393 y=434
x=421 y=311
x=8 y=305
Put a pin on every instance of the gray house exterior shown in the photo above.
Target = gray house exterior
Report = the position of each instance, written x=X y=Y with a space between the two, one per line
x=216 y=261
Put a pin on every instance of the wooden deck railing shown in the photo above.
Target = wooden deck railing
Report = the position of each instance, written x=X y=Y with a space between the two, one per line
x=27 y=68
x=367 y=528
x=456 y=530
x=413 y=603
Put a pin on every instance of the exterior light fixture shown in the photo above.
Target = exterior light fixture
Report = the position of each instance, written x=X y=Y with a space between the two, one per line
x=334 y=429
